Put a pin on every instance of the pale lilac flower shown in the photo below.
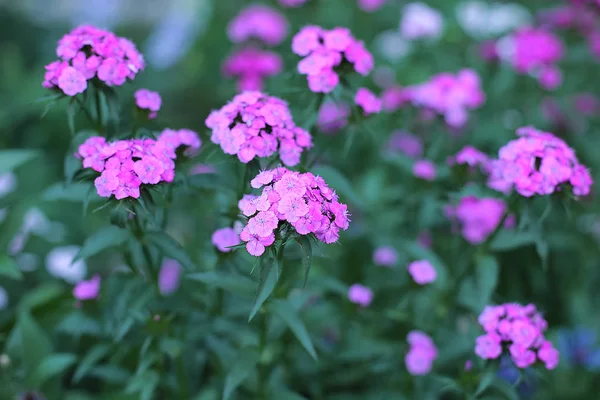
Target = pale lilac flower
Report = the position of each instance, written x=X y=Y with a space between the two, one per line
x=419 y=21
x=421 y=355
x=361 y=295
x=169 y=277
x=422 y=272
x=225 y=238
x=368 y=101
x=148 y=100
x=59 y=263
x=424 y=169
x=385 y=256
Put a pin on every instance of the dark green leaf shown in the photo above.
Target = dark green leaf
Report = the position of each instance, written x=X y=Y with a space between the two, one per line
x=9 y=268
x=67 y=192
x=51 y=366
x=35 y=345
x=41 y=295
x=269 y=275
x=11 y=159
x=241 y=369
x=486 y=271
x=289 y=315
x=509 y=240
x=169 y=248
x=105 y=238
x=234 y=283
x=307 y=259
x=505 y=389
x=485 y=381
x=95 y=354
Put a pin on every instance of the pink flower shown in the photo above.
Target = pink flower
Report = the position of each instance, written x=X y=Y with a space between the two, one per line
x=395 y=97
x=368 y=101
x=71 y=81
x=292 y=207
x=169 y=277
x=488 y=346
x=479 y=217
x=251 y=65
x=419 y=21
x=424 y=169
x=371 y=5
x=421 y=355
x=361 y=295
x=292 y=3
x=550 y=78
x=149 y=170
x=333 y=117
x=263 y=224
x=87 y=290
x=259 y=22
x=254 y=243
x=385 y=256
x=290 y=184
x=406 y=143
x=148 y=100
x=422 y=272
x=225 y=238
x=307 y=40
x=548 y=354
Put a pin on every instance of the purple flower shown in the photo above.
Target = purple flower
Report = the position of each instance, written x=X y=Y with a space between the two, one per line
x=361 y=295
x=87 y=290
x=169 y=277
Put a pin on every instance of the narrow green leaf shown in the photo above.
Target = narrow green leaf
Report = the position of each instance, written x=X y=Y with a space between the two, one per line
x=509 y=240
x=71 y=116
x=67 y=192
x=35 y=345
x=269 y=275
x=170 y=248
x=289 y=315
x=507 y=391
x=11 y=159
x=9 y=268
x=41 y=295
x=487 y=271
x=243 y=366
x=307 y=259
x=105 y=238
x=95 y=354
x=485 y=381
x=52 y=366
x=237 y=284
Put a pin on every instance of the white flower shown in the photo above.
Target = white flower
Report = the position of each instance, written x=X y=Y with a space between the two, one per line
x=8 y=183
x=482 y=20
x=59 y=263
x=3 y=298
x=419 y=21
x=36 y=222
x=392 y=46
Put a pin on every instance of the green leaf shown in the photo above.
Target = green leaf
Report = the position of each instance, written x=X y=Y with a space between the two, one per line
x=35 y=345
x=95 y=354
x=169 y=248
x=306 y=247
x=71 y=116
x=339 y=183
x=9 y=268
x=486 y=271
x=485 y=381
x=11 y=159
x=241 y=369
x=41 y=295
x=234 y=283
x=51 y=366
x=269 y=275
x=289 y=315
x=510 y=240
x=505 y=389
x=284 y=394
x=67 y=192
x=105 y=238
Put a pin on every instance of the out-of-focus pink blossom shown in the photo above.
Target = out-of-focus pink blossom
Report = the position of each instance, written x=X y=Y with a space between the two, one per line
x=258 y=22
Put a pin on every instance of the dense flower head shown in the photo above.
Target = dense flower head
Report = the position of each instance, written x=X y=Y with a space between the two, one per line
x=395 y=97
x=125 y=165
x=368 y=101
x=148 y=100
x=371 y=5
x=422 y=272
x=385 y=256
x=301 y=199
x=258 y=22
x=251 y=65
x=86 y=53
x=225 y=238
x=520 y=329
x=360 y=294
x=472 y=157
x=406 y=143
x=450 y=95
x=540 y=163
x=324 y=50
x=254 y=124
x=421 y=354
x=87 y=290
x=534 y=51
x=478 y=218
x=333 y=117
x=419 y=21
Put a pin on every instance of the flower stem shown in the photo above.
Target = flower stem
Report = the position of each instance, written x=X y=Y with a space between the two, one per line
x=98 y=109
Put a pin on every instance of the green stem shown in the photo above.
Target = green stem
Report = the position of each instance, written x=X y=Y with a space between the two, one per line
x=85 y=110
x=98 y=109
x=138 y=232
x=262 y=367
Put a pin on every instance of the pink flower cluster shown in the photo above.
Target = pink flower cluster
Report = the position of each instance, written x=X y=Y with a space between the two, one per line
x=395 y=97
x=368 y=101
x=258 y=22
x=535 y=51
x=88 y=52
x=421 y=355
x=425 y=169
x=333 y=117
x=302 y=200
x=324 y=50
x=450 y=95
x=292 y=3
x=148 y=100
x=539 y=163
x=422 y=272
x=360 y=294
x=478 y=218
x=225 y=238
x=254 y=124
x=521 y=329
x=406 y=143
x=127 y=164
x=250 y=65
